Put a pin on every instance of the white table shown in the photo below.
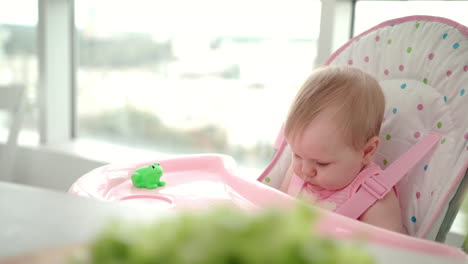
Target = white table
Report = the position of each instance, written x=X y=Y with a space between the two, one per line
x=33 y=219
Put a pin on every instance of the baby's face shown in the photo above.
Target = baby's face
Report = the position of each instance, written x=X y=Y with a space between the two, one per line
x=322 y=157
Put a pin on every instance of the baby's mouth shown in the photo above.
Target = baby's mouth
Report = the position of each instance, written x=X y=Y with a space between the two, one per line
x=315 y=187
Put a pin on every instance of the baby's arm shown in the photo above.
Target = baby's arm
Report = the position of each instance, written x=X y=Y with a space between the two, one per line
x=287 y=179
x=385 y=213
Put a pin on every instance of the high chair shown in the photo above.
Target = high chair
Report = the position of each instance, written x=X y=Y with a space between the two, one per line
x=421 y=63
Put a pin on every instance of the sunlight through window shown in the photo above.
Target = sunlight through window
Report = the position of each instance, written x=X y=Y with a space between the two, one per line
x=192 y=76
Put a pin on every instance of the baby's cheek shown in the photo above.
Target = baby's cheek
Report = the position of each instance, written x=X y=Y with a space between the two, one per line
x=328 y=182
x=296 y=167
x=333 y=180
x=297 y=170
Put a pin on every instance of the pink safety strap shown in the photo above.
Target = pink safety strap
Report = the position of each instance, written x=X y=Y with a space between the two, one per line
x=376 y=187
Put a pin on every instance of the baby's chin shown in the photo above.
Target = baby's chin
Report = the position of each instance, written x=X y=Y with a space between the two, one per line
x=327 y=187
x=318 y=187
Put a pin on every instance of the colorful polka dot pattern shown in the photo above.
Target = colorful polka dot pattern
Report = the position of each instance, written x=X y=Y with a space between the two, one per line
x=427 y=86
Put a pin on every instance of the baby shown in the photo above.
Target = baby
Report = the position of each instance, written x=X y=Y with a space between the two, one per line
x=332 y=130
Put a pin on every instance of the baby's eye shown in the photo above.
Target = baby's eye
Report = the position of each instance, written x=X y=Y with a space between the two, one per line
x=323 y=164
x=152 y=166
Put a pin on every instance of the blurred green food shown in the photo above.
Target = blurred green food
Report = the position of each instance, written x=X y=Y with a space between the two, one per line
x=224 y=235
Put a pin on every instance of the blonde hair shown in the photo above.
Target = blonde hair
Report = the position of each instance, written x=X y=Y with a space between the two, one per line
x=357 y=95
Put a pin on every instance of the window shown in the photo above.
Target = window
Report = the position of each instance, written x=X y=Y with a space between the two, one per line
x=371 y=13
x=18 y=58
x=192 y=76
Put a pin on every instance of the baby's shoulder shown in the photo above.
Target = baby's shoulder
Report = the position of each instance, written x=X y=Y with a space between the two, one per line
x=385 y=213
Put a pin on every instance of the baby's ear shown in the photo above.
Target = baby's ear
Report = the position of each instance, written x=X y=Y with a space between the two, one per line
x=369 y=150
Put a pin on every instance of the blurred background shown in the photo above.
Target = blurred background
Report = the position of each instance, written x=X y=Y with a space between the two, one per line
x=113 y=80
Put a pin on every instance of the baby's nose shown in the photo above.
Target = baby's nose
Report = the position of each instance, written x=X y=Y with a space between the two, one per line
x=309 y=170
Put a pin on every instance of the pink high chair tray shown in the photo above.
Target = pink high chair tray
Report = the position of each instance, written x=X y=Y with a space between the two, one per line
x=200 y=181
x=191 y=182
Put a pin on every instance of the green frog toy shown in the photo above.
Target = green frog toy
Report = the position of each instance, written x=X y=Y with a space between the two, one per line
x=148 y=177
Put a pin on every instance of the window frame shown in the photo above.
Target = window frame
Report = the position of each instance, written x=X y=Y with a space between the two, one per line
x=57 y=64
